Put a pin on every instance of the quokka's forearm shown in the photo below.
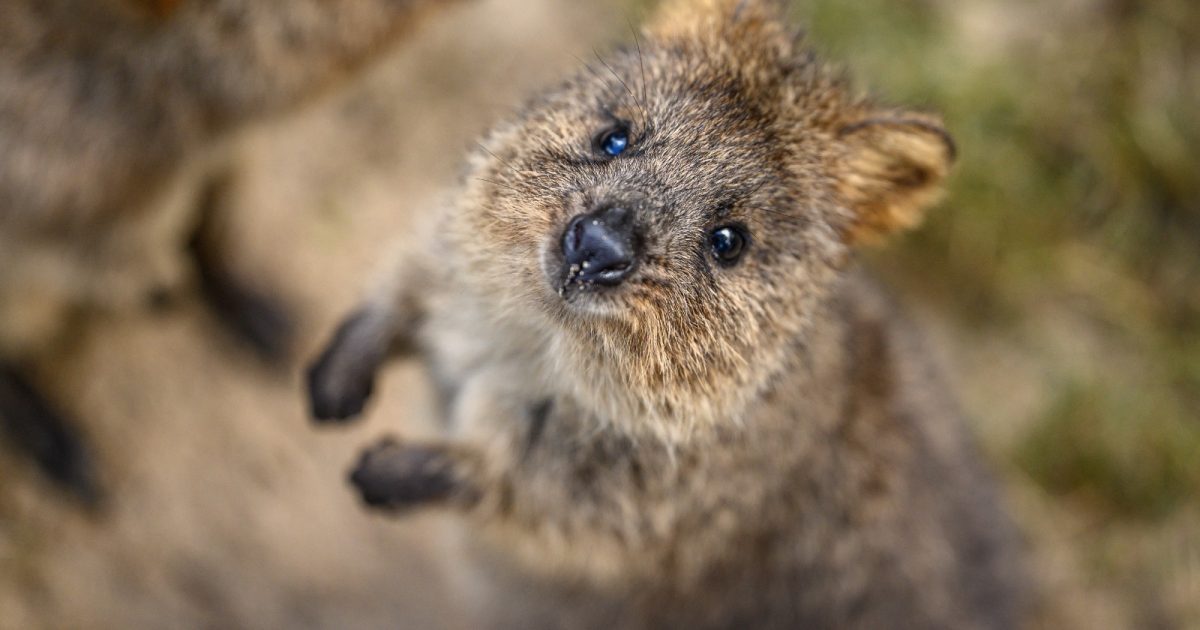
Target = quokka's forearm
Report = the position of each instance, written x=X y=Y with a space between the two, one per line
x=342 y=378
x=596 y=521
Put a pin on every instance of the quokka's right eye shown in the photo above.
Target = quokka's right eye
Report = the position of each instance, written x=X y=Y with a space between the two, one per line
x=728 y=243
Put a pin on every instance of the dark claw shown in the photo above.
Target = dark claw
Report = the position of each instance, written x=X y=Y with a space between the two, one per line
x=391 y=476
x=36 y=429
x=342 y=379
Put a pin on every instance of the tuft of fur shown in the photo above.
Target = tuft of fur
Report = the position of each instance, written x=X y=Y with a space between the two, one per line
x=706 y=445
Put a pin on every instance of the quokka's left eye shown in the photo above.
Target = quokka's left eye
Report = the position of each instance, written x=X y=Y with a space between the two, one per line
x=613 y=142
x=728 y=243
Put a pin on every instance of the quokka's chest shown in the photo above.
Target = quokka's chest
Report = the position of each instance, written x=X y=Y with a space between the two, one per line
x=461 y=337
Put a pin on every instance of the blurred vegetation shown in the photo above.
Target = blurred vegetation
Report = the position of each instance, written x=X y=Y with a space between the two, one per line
x=1132 y=455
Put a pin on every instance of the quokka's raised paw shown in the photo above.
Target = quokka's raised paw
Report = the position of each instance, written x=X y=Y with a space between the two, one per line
x=394 y=476
x=342 y=378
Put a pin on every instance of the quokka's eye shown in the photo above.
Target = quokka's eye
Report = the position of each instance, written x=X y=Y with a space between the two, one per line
x=613 y=142
x=728 y=243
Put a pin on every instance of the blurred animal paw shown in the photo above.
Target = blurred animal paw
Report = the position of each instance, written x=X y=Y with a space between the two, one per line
x=34 y=428
x=257 y=318
x=393 y=476
x=342 y=378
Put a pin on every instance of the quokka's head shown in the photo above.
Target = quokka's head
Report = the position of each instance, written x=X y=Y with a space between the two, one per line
x=678 y=209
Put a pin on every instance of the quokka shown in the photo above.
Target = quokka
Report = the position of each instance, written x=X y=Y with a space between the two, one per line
x=666 y=381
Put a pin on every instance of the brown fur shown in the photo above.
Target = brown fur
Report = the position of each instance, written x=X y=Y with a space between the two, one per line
x=705 y=446
x=108 y=117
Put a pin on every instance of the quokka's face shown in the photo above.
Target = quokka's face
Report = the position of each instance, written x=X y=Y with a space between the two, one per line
x=682 y=202
x=635 y=195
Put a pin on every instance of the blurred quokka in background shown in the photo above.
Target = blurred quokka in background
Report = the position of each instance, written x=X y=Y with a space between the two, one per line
x=112 y=114
x=666 y=382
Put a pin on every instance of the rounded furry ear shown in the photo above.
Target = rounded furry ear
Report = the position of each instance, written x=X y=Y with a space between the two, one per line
x=894 y=169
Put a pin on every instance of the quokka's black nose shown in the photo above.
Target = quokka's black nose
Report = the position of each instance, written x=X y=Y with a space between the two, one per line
x=599 y=246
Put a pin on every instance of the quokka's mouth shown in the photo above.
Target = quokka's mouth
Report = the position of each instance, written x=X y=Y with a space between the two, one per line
x=567 y=285
x=574 y=278
x=597 y=249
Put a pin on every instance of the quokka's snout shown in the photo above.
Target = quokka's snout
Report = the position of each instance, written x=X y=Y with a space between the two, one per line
x=600 y=247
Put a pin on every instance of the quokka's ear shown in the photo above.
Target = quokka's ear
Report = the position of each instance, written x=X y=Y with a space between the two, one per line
x=736 y=21
x=894 y=169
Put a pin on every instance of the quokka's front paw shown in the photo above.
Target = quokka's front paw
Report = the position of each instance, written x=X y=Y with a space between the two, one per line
x=341 y=380
x=394 y=476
